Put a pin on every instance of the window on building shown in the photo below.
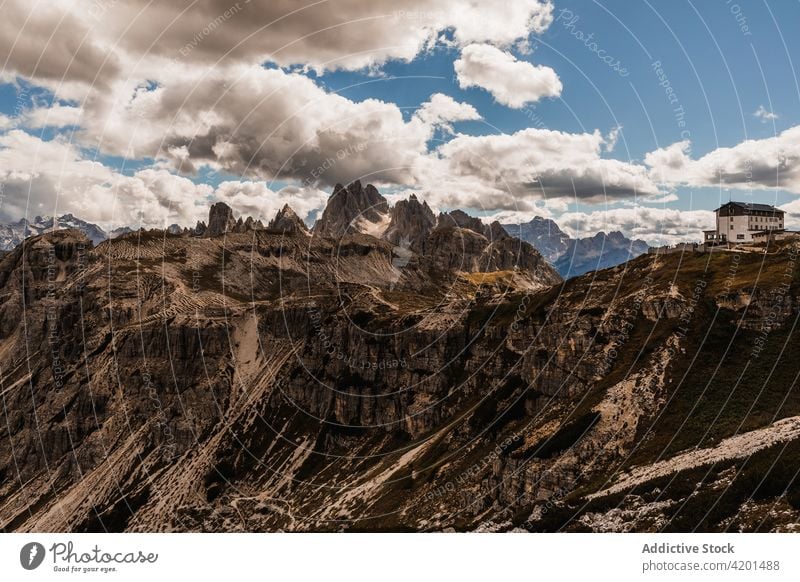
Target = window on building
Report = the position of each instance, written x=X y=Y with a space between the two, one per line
x=739 y=237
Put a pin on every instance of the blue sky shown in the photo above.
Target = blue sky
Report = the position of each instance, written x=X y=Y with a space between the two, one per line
x=677 y=71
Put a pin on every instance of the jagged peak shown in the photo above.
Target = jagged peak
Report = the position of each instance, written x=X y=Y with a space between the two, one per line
x=352 y=208
x=410 y=224
x=496 y=231
x=287 y=221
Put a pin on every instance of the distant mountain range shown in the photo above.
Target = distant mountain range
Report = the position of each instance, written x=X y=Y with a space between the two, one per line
x=13 y=233
x=572 y=257
x=409 y=220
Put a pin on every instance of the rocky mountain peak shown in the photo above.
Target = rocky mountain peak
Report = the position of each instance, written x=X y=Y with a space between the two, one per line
x=459 y=218
x=353 y=209
x=411 y=222
x=495 y=231
x=220 y=220
x=287 y=221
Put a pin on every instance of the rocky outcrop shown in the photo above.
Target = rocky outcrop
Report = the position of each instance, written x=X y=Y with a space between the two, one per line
x=460 y=219
x=353 y=209
x=286 y=221
x=411 y=223
x=220 y=220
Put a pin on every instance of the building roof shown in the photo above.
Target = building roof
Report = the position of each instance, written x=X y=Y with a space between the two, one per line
x=752 y=206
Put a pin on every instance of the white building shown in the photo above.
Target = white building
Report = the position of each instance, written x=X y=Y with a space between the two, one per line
x=738 y=222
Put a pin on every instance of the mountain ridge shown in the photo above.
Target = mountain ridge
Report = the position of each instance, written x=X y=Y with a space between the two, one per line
x=574 y=257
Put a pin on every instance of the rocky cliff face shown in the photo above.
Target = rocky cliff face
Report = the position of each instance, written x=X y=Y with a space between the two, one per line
x=287 y=221
x=353 y=209
x=411 y=223
x=270 y=381
x=220 y=220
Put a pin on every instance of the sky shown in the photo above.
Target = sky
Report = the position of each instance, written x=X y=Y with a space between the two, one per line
x=600 y=114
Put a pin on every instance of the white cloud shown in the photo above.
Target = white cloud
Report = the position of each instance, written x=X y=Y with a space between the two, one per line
x=266 y=124
x=512 y=82
x=53 y=178
x=764 y=115
x=92 y=42
x=257 y=200
x=612 y=138
x=54 y=116
x=792 y=218
x=513 y=172
x=442 y=109
x=754 y=164
x=657 y=226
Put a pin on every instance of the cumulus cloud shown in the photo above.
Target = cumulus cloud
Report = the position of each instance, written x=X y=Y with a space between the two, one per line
x=657 y=226
x=266 y=123
x=442 y=109
x=183 y=83
x=612 y=138
x=512 y=82
x=110 y=37
x=256 y=199
x=53 y=44
x=764 y=114
x=512 y=172
x=754 y=164
x=54 y=177
x=55 y=116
